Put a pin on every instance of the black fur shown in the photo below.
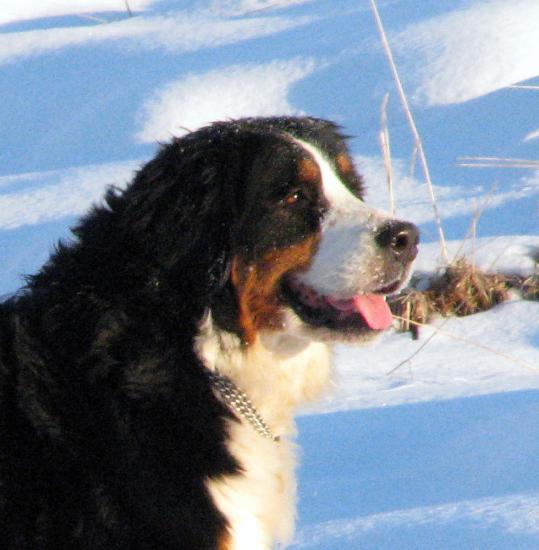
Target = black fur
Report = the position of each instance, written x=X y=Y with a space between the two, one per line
x=108 y=423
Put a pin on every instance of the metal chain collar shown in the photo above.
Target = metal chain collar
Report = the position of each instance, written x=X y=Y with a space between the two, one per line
x=238 y=400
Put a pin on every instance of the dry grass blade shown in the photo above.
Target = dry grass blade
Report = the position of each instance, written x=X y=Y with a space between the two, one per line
x=416 y=352
x=439 y=330
x=386 y=153
x=413 y=127
x=92 y=18
x=413 y=308
x=413 y=162
x=513 y=166
x=100 y=19
x=524 y=87
x=471 y=233
x=497 y=162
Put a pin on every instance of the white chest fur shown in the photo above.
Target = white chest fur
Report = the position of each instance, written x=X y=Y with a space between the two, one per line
x=278 y=374
x=259 y=503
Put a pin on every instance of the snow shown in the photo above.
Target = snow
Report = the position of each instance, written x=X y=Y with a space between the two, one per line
x=476 y=355
x=182 y=31
x=421 y=444
x=474 y=51
x=234 y=92
x=35 y=198
x=17 y=10
x=532 y=135
x=412 y=200
x=242 y=7
x=439 y=474
x=514 y=514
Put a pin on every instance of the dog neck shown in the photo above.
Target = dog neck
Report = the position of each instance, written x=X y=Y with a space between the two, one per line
x=278 y=372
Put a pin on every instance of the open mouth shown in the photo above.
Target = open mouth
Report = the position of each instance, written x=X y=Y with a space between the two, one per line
x=361 y=312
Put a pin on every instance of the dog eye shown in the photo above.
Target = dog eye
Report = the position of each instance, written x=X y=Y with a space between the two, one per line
x=293 y=197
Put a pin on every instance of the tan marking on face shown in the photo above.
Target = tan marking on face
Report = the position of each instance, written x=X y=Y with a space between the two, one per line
x=344 y=164
x=225 y=541
x=308 y=170
x=257 y=285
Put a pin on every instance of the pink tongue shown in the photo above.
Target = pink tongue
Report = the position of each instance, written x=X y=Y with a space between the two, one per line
x=372 y=307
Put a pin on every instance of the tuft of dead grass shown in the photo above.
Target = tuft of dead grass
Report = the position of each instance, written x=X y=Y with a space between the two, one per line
x=462 y=290
x=528 y=287
x=413 y=308
x=459 y=290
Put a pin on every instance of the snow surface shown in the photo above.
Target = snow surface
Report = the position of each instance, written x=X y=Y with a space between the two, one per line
x=473 y=51
x=233 y=92
x=18 y=10
x=425 y=444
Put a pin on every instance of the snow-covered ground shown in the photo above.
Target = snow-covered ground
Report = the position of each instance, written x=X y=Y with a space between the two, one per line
x=427 y=444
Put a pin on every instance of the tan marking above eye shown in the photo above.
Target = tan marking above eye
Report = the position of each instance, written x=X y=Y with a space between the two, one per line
x=308 y=170
x=344 y=164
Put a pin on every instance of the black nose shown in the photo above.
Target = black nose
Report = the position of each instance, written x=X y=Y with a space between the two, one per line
x=401 y=238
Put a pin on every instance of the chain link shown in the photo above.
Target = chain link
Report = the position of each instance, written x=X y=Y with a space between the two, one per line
x=239 y=401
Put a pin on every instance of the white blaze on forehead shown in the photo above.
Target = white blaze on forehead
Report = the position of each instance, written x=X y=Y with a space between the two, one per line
x=337 y=194
x=344 y=263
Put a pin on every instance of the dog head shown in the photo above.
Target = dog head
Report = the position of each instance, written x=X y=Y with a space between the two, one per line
x=266 y=218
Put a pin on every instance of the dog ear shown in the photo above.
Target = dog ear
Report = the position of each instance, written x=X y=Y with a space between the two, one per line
x=182 y=209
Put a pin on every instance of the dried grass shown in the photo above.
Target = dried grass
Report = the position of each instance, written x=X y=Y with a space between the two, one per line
x=460 y=290
x=528 y=287
x=413 y=128
x=464 y=290
x=497 y=162
x=386 y=153
x=413 y=308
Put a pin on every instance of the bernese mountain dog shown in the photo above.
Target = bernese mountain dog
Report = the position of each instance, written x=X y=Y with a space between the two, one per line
x=150 y=370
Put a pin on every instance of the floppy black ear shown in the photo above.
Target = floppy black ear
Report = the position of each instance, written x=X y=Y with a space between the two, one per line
x=182 y=209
